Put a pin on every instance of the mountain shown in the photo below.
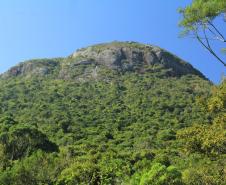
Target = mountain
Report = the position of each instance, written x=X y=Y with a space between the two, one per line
x=118 y=56
x=103 y=115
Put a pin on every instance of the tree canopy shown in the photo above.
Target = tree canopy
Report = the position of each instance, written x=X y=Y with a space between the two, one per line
x=136 y=127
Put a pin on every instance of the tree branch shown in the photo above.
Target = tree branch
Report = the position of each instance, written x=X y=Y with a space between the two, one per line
x=202 y=38
x=221 y=35
x=216 y=37
x=207 y=40
x=210 y=50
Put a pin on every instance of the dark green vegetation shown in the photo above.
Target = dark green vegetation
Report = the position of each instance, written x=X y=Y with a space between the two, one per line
x=120 y=113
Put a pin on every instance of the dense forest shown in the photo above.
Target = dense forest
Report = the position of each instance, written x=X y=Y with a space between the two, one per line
x=118 y=113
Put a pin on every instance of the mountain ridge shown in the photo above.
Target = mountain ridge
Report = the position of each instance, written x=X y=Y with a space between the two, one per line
x=119 y=56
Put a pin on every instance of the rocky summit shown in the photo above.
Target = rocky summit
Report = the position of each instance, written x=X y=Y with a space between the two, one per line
x=130 y=56
x=119 y=56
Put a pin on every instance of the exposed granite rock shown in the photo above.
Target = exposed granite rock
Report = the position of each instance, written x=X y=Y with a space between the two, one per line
x=130 y=56
x=39 y=67
x=120 y=56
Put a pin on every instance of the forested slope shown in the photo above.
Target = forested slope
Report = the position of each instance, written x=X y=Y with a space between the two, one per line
x=117 y=113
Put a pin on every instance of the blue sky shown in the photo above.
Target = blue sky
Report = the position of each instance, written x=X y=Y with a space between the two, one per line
x=56 y=28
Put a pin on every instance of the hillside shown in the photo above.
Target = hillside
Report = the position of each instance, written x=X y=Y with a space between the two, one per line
x=107 y=114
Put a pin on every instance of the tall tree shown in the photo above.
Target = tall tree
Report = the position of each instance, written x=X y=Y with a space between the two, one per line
x=198 y=22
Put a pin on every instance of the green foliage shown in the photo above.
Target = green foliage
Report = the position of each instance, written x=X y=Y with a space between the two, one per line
x=40 y=168
x=124 y=128
x=161 y=175
x=201 y=11
x=101 y=47
x=209 y=139
x=217 y=103
x=205 y=143
x=198 y=22
x=202 y=170
x=21 y=141
x=79 y=173
x=223 y=50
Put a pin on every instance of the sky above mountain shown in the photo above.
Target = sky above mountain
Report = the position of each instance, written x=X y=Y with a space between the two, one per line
x=55 y=28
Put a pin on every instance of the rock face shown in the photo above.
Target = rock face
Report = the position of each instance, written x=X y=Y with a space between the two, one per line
x=40 y=67
x=131 y=55
x=121 y=56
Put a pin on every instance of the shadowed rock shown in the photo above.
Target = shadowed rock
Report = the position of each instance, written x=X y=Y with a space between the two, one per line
x=39 y=67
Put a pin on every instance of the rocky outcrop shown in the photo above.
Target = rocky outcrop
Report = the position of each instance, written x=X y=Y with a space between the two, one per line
x=37 y=67
x=121 y=56
x=129 y=56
